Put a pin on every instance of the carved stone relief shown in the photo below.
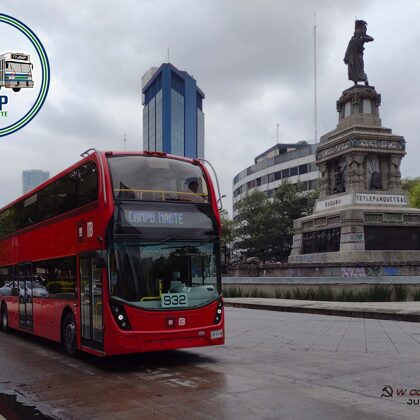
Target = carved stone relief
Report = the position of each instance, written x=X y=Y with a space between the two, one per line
x=325 y=187
x=394 y=172
x=374 y=173
x=339 y=171
x=355 y=172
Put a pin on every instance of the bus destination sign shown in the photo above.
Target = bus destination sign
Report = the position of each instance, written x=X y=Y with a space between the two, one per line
x=164 y=218
x=23 y=57
x=147 y=217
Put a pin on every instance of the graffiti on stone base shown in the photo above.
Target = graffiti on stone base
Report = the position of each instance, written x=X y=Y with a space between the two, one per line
x=357 y=237
x=353 y=272
x=374 y=271
x=391 y=271
x=382 y=271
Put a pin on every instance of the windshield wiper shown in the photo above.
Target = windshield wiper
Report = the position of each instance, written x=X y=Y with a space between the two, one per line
x=174 y=236
x=211 y=238
x=168 y=238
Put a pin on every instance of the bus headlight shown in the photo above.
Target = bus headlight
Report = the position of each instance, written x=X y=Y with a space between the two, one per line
x=219 y=311
x=118 y=312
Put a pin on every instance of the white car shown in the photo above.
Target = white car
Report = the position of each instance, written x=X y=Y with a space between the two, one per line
x=6 y=290
x=37 y=290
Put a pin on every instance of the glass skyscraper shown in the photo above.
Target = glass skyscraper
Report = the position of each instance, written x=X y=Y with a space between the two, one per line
x=173 y=118
x=32 y=178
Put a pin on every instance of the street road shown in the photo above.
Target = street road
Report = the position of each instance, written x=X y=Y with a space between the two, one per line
x=274 y=365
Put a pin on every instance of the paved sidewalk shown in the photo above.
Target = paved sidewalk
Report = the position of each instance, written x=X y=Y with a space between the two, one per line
x=399 y=311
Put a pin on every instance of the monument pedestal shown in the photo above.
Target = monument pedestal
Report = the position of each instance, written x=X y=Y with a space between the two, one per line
x=365 y=233
x=362 y=215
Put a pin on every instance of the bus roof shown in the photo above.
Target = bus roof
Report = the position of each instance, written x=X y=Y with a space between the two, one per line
x=86 y=156
x=17 y=56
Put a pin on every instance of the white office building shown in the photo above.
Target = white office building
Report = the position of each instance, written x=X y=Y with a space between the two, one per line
x=294 y=162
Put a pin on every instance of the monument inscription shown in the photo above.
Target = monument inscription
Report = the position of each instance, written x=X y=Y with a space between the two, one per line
x=397 y=145
x=360 y=199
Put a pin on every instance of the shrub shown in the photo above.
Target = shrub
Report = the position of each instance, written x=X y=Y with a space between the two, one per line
x=401 y=292
x=324 y=293
x=415 y=293
x=287 y=294
x=256 y=292
x=278 y=294
x=381 y=294
x=346 y=295
x=297 y=294
x=234 y=291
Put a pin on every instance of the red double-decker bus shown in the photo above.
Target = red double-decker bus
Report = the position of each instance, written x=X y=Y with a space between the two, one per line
x=119 y=253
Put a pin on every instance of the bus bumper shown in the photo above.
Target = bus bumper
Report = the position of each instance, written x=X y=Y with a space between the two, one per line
x=19 y=84
x=138 y=342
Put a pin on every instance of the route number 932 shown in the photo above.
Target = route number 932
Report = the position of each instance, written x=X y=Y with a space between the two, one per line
x=174 y=300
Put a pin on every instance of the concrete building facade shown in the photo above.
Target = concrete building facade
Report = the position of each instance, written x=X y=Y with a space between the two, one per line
x=294 y=162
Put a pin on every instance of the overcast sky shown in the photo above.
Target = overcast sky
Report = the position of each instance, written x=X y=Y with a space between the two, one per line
x=253 y=60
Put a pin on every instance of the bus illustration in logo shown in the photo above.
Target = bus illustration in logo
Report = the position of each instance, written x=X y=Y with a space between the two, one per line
x=16 y=71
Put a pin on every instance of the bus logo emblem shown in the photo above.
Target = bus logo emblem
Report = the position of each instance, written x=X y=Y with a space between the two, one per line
x=25 y=74
x=16 y=71
x=89 y=229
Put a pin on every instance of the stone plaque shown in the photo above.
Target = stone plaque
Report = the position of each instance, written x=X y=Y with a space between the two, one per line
x=382 y=199
x=333 y=203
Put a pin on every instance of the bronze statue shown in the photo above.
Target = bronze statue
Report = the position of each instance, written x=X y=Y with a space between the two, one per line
x=354 y=53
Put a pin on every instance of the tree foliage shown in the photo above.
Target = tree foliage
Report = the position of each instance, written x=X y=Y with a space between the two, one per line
x=412 y=189
x=227 y=227
x=264 y=228
x=253 y=225
x=288 y=205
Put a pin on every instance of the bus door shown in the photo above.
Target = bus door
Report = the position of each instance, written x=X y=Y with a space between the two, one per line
x=91 y=302
x=25 y=296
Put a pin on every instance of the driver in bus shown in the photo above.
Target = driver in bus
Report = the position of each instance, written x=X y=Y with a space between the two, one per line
x=192 y=186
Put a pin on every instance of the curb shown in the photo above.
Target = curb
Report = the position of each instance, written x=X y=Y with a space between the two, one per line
x=329 y=311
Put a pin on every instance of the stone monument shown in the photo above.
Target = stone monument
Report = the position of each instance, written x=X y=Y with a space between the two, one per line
x=362 y=214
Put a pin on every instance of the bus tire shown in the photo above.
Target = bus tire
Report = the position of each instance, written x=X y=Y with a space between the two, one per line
x=4 y=318
x=69 y=334
x=16 y=89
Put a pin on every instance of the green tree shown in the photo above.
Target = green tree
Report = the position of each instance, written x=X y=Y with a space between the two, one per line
x=289 y=203
x=264 y=228
x=253 y=226
x=227 y=227
x=412 y=189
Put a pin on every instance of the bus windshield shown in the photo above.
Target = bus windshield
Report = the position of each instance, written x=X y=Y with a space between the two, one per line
x=18 y=67
x=171 y=275
x=156 y=179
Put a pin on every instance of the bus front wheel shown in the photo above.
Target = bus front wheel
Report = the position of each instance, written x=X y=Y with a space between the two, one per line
x=16 y=89
x=69 y=336
x=4 y=318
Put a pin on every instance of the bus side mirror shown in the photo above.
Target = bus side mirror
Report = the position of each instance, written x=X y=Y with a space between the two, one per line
x=100 y=260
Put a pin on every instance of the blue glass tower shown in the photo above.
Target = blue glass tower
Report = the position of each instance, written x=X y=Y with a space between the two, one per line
x=32 y=178
x=173 y=118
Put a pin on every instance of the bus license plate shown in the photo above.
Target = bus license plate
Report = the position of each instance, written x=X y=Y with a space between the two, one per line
x=216 y=334
x=174 y=300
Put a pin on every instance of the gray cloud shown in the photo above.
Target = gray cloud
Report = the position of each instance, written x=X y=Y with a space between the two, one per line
x=253 y=60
